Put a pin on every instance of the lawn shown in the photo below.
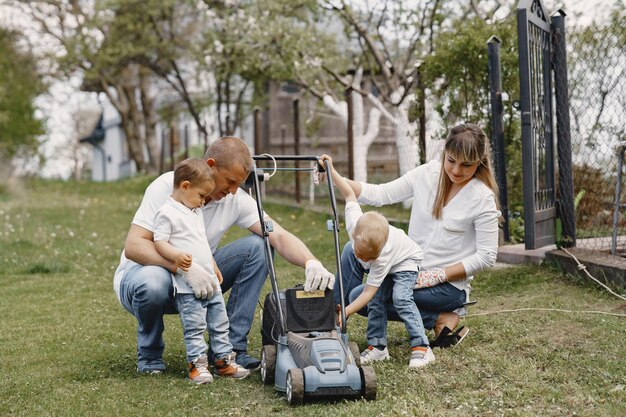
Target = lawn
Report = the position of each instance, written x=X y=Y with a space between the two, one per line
x=67 y=348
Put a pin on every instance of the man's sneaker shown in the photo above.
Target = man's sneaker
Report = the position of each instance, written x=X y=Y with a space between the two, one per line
x=150 y=366
x=247 y=361
x=421 y=356
x=199 y=371
x=227 y=366
x=372 y=354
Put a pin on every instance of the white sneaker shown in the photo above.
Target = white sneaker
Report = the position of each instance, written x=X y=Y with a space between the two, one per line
x=372 y=354
x=421 y=357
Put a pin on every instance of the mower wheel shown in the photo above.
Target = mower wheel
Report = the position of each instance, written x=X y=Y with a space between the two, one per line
x=354 y=348
x=368 y=381
x=268 y=364
x=295 y=386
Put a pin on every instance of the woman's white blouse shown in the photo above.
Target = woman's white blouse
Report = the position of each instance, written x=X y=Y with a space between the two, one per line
x=467 y=231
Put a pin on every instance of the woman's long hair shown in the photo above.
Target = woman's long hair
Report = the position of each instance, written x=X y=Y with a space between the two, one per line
x=466 y=143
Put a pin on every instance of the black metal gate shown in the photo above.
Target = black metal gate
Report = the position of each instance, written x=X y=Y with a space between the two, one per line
x=533 y=31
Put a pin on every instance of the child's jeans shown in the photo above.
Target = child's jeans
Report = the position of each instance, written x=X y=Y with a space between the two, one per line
x=400 y=286
x=198 y=315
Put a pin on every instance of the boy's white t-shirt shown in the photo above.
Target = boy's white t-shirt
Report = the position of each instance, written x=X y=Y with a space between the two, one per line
x=400 y=252
x=234 y=209
x=467 y=231
x=184 y=229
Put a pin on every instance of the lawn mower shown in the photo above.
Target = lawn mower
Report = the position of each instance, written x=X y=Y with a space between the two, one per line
x=305 y=354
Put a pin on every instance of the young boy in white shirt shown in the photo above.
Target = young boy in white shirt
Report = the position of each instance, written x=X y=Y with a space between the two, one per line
x=393 y=260
x=180 y=237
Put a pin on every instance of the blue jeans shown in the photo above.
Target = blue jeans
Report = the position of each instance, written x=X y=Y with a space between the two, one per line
x=198 y=315
x=430 y=301
x=398 y=287
x=146 y=291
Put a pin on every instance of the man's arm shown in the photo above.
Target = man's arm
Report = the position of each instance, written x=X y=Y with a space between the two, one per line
x=140 y=248
x=292 y=249
x=295 y=251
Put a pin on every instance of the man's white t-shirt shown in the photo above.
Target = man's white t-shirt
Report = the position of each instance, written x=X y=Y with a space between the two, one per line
x=400 y=253
x=467 y=231
x=234 y=209
x=184 y=229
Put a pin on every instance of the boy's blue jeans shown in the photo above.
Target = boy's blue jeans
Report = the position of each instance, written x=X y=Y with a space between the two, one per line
x=429 y=301
x=146 y=291
x=198 y=315
x=398 y=287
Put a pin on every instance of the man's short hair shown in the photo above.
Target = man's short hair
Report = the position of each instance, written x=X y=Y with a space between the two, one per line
x=230 y=151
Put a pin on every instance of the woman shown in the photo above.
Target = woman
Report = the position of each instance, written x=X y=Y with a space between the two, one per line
x=454 y=218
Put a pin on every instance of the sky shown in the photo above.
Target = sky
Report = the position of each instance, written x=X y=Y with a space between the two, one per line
x=63 y=100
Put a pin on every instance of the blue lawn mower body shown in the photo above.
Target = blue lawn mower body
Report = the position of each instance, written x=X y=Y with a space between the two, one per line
x=305 y=354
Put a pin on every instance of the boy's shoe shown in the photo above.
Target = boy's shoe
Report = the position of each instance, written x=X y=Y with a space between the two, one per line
x=227 y=366
x=421 y=356
x=246 y=360
x=372 y=354
x=199 y=371
x=150 y=366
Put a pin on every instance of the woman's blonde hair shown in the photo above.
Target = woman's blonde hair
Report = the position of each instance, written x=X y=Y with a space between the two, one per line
x=465 y=143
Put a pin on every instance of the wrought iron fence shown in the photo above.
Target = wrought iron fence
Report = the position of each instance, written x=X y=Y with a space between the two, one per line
x=597 y=94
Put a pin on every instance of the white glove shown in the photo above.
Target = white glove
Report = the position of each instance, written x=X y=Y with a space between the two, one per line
x=200 y=280
x=317 y=277
x=430 y=278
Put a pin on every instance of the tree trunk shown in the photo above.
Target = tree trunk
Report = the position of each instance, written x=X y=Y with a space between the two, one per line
x=150 y=121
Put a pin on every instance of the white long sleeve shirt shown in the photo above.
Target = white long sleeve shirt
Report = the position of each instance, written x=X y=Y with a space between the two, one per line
x=467 y=231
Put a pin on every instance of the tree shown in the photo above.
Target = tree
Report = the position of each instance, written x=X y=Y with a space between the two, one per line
x=20 y=84
x=81 y=39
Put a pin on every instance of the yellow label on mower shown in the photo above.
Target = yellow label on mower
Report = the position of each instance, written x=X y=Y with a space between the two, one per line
x=314 y=294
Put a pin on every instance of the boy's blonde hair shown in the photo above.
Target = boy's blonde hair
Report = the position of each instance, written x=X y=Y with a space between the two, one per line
x=371 y=233
x=194 y=170
x=465 y=143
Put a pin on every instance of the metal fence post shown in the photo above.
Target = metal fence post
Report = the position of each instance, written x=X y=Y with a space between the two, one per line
x=564 y=143
x=257 y=132
x=296 y=143
x=497 y=129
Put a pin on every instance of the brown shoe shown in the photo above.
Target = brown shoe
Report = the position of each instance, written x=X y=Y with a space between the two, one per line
x=226 y=366
x=199 y=371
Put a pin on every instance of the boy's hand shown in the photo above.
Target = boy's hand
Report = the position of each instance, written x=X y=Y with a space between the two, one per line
x=338 y=309
x=220 y=279
x=183 y=261
x=324 y=158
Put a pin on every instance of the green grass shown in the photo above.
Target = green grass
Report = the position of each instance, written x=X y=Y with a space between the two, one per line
x=67 y=348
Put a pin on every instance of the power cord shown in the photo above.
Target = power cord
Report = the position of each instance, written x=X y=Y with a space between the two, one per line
x=583 y=268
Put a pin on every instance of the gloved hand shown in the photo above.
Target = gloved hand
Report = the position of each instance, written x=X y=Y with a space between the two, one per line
x=317 y=277
x=199 y=280
x=430 y=278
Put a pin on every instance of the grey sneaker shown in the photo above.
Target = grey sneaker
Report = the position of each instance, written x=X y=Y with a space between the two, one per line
x=227 y=366
x=421 y=356
x=150 y=366
x=372 y=354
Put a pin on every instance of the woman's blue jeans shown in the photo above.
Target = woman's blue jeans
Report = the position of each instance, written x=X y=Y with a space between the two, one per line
x=430 y=301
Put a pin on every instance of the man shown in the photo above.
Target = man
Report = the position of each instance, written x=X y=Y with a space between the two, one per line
x=143 y=282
